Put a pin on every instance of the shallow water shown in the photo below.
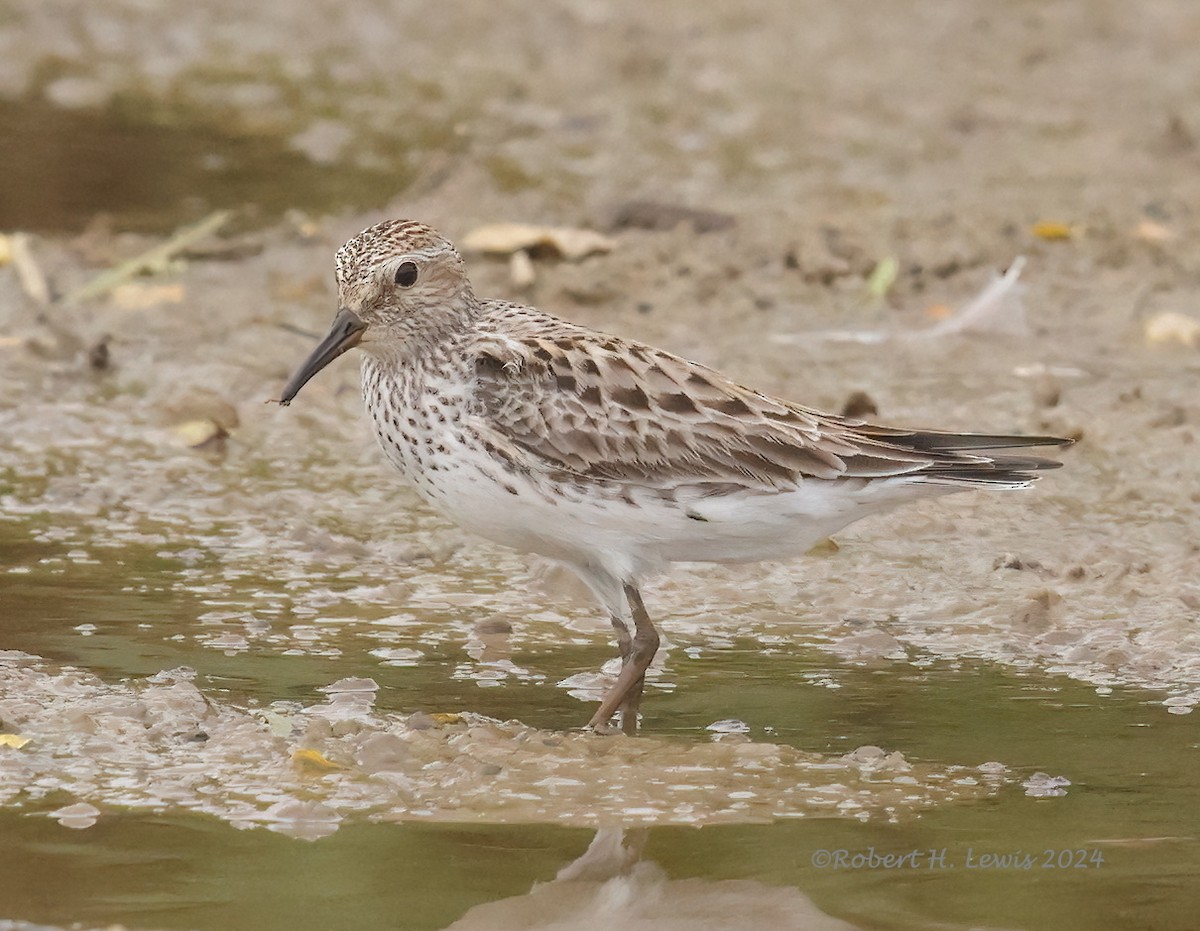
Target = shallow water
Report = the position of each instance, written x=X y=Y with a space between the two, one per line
x=156 y=171
x=1131 y=803
x=976 y=643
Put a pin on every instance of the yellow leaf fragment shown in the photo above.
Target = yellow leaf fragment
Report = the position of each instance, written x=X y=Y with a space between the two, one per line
x=16 y=741
x=1052 y=230
x=197 y=433
x=444 y=717
x=1171 y=327
x=883 y=277
x=202 y=404
x=314 y=760
x=29 y=272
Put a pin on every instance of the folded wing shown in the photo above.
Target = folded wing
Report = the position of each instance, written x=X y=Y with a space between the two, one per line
x=604 y=408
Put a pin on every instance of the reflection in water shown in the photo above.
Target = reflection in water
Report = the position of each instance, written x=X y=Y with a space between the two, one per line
x=163 y=768
x=612 y=886
x=142 y=754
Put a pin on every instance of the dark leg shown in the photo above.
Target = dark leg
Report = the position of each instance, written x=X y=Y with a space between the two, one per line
x=629 y=707
x=626 y=693
x=633 y=698
x=624 y=641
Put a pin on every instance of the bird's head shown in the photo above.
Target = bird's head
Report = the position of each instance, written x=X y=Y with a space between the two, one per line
x=398 y=282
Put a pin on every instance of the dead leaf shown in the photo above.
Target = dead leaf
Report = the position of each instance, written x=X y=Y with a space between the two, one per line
x=29 y=273
x=446 y=717
x=136 y=295
x=201 y=404
x=1172 y=327
x=1149 y=231
x=200 y=433
x=1052 y=230
x=564 y=242
x=827 y=547
x=16 y=741
x=883 y=276
x=314 y=760
x=520 y=269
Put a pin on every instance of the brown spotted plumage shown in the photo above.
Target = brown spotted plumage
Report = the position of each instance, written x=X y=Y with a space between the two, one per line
x=608 y=455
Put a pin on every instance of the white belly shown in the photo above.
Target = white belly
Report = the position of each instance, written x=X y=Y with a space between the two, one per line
x=623 y=529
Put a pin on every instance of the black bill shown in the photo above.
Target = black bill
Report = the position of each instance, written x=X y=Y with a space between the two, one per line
x=344 y=334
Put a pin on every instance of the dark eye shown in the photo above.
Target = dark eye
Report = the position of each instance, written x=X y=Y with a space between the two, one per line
x=406 y=274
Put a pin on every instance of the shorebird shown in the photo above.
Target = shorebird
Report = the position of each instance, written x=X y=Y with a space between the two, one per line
x=605 y=454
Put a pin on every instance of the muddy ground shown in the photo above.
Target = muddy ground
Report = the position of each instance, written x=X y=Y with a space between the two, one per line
x=820 y=140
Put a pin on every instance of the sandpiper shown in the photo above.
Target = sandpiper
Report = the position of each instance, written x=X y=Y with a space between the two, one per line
x=608 y=455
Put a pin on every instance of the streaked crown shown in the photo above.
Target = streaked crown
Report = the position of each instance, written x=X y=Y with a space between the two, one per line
x=402 y=276
x=386 y=240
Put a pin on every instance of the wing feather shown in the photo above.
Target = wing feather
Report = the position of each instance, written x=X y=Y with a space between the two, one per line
x=603 y=408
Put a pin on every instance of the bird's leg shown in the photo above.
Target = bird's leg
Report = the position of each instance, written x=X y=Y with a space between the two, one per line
x=626 y=693
x=624 y=641
x=646 y=633
x=629 y=706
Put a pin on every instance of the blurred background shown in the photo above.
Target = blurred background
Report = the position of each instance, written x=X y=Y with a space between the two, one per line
x=974 y=117
x=816 y=198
